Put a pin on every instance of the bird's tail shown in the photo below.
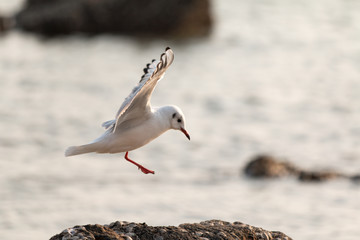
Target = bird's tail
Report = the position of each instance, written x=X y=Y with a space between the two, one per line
x=76 y=150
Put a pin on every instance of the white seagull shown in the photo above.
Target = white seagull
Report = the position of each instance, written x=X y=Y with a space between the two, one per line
x=137 y=123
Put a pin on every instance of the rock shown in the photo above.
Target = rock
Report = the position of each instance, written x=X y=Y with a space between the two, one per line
x=6 y=23
x=317 y=176
x=269 y=167
x=88 y=232
x=355 y=178
x=213 y=229
x=179 y=18
x=265 y=166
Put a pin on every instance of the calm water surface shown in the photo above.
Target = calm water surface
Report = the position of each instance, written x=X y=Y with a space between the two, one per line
x=279 y=77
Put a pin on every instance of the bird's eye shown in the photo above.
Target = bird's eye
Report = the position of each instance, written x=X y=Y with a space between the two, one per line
x=179 y=121
x=173 y=116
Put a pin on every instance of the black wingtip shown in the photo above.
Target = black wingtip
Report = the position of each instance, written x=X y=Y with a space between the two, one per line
x=167 y=48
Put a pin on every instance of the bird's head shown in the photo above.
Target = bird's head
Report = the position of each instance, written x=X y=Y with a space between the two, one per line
x=177 y=120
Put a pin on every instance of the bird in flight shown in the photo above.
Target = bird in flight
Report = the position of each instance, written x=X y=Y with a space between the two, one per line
x=136 y=122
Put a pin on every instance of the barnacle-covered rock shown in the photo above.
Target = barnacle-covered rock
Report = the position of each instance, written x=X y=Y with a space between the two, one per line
x=211 y=230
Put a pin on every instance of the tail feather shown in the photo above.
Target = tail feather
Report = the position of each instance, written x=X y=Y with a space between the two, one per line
x=76 y=150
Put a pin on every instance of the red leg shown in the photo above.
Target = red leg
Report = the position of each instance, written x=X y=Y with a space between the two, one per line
x=143 y=169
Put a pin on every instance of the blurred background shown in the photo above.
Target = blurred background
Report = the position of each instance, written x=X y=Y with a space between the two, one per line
x=271 y=76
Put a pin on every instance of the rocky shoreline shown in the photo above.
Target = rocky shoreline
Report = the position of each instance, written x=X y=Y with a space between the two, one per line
x=207 y=230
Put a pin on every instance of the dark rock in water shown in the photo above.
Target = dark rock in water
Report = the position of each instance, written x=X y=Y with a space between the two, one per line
x=6 y=23
x=316 y=176
x=265 y=166
x=179 y=18
x=2 y=24
x=268 y=167
x=213 y=229
x=355 y=178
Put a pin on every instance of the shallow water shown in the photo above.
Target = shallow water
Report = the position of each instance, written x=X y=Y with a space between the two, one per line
x=278 y=77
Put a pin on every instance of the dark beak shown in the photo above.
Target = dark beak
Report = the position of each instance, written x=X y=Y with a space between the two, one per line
x=185 y=132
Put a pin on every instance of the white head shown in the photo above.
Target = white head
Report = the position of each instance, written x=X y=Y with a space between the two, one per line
x=177 y=119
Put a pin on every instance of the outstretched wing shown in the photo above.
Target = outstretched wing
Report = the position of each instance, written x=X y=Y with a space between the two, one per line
x=136 y=107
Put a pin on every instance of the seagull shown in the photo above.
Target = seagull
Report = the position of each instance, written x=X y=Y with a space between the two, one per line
x=136 y=122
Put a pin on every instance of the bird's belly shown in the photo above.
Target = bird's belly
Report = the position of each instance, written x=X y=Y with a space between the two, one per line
x=131 y=139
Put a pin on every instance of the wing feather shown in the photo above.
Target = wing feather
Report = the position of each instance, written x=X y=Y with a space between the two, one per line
x=137 y=104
